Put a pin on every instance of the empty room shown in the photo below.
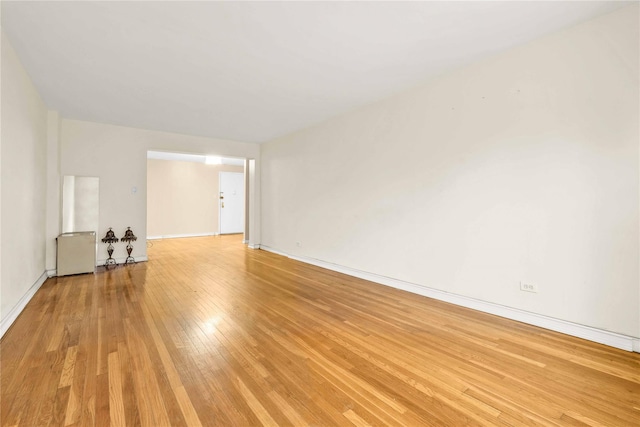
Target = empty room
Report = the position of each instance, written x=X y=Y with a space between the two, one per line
x=320 y=213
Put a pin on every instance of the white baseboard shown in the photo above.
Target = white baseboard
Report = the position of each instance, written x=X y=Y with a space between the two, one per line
x=13 y=314
x=601 y=336
x=100 y=263
x=256 y=246
x=180 y=236
x=121 y=260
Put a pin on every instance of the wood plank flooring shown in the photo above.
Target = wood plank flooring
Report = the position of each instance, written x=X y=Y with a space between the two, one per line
x=210 y=333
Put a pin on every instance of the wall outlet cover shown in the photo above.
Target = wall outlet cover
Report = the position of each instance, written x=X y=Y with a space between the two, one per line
x=528 y=287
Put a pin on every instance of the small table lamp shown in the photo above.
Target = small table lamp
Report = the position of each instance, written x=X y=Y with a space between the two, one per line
x=110 y=238
x=129 y=237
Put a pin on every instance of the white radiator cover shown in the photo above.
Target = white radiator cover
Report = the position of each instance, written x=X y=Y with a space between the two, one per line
x=76 y=253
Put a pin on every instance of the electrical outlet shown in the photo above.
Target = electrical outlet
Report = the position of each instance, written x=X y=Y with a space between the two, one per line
x=528 y=287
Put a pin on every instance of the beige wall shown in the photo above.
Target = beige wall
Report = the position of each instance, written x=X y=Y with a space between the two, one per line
x=523 y=167
x=182 y=197
x=118 y=156
x=23 y=189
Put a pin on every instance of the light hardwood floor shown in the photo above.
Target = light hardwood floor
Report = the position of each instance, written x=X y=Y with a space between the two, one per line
x=209 y=332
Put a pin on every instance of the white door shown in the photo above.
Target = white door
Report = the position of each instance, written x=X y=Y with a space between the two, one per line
x=231 y=202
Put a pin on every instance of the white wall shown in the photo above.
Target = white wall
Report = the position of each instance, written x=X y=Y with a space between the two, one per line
x=183 y=197
x=23 y=153
x=54 y=184
x=118 y=156
x=522 y=167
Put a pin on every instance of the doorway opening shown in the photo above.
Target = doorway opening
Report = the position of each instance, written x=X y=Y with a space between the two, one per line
x=183 y=195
